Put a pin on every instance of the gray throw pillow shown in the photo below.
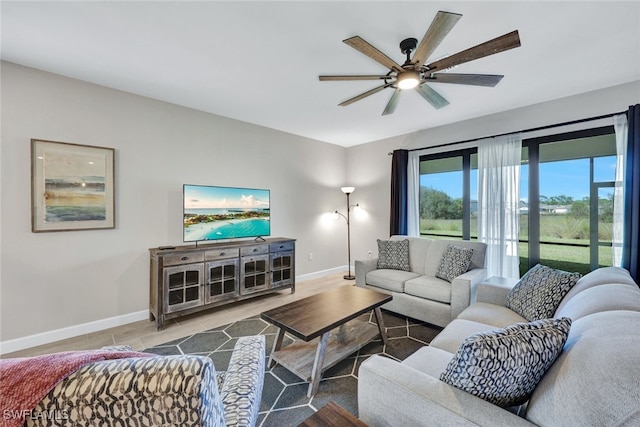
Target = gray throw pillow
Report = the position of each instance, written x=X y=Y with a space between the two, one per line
x=454 y=262
x=539 y=293
x=504 y=366
x=393 y=254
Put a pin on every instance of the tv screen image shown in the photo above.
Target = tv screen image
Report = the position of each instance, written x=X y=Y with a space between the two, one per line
x=213 y=213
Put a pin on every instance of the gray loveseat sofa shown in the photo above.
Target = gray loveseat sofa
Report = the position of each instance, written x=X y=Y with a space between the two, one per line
x=595 y=381
x=418 y=293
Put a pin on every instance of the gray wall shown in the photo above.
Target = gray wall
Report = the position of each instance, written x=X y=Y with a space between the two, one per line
x=369 y=166
x=52 y=281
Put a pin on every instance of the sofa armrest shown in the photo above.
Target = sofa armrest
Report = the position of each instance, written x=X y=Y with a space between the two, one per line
x=163 y=390
x=362 y=267
x=390 y=393
x=461 y=289
x=495 y=290
x=242 y=388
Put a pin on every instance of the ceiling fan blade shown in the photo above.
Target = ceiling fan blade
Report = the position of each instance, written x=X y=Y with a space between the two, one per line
x=438 y=30
x=392 y=104
x=363 y=95
x=338 y=78
x=432 y=97
x=467 y=79
x=499 y=44
x=361 y=45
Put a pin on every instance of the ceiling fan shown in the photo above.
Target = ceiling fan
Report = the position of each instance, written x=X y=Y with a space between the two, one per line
x=415 y=74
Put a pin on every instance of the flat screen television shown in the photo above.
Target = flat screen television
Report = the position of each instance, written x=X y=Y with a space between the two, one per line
x=214 y=213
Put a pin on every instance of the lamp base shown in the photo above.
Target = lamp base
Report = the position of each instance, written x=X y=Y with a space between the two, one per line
x=350 y=277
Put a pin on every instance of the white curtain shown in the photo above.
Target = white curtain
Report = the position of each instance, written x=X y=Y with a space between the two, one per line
x=413 y=194
x=498 y=203
x=621 y=127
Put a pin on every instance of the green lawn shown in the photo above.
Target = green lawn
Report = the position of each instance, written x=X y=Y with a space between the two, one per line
x=567 y=258
x=553 y=228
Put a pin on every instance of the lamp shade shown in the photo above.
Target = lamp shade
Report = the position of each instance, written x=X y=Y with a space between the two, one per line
x=408 y=79
x=348 y=190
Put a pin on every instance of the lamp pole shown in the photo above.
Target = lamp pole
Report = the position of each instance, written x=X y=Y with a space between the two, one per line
x=348 y=191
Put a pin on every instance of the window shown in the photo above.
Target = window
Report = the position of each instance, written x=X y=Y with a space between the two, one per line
x=449 y=196
x=566 y=199
x=441 y=188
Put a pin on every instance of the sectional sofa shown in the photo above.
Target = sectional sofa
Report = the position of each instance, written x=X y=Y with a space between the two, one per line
x=594 y=380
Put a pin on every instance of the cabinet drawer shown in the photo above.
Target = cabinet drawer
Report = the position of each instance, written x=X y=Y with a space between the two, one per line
x=215 y=254
x=183 y=258
x=254 y=250
x=281 y=246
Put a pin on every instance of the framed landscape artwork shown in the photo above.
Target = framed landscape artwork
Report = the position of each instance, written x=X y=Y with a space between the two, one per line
x=72 y=187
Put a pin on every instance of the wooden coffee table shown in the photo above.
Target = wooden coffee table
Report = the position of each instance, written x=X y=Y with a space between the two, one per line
x=332 y=415
x=327 y=324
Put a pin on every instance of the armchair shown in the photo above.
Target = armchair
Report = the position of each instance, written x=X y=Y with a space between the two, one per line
x=159 y=391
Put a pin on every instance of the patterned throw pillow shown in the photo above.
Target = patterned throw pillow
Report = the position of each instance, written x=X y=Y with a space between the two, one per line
x=454 y=262
x=393 y=254
x=504 y=366
x=539 y=293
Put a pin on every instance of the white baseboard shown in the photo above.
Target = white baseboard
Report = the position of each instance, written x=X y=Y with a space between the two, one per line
x=35 y=340
x=318 y=274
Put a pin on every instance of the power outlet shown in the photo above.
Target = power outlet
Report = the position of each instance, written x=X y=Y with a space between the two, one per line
x=310 y=256
x=369 y=254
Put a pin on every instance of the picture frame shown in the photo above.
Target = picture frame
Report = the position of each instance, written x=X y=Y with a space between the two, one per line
x=72 y=186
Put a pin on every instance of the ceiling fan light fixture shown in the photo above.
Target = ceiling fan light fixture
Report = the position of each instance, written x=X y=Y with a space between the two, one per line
x=418 y=69
x=408 y=79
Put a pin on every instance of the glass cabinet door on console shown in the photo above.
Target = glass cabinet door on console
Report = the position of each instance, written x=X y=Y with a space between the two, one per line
x=222 y=280
x=183 y=286
x=281 y=269
x=254 y=274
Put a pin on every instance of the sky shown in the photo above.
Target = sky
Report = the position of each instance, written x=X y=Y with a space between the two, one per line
x=196 y=196
x=567 y=178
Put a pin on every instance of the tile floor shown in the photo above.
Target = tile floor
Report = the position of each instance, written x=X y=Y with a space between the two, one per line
x=143 y=334
x=284 y=397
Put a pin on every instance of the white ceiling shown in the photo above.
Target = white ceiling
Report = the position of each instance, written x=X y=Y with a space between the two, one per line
x=259 y=61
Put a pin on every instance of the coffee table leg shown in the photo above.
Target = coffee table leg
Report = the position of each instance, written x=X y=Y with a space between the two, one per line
x=277 y=345
x=380 y=322
x=316 y=372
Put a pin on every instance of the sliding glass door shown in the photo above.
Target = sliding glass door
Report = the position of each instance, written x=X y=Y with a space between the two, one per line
x=566 y=200
x=574 y=213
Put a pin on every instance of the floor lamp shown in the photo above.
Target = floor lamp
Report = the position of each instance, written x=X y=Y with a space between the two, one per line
x=348 y=191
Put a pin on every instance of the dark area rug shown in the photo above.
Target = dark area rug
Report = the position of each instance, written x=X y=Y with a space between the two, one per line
x=284 y=396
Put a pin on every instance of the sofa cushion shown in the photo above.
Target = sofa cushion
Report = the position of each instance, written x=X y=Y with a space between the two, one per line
x=437 y=248
x=392 y=280
x=393 y=254
x=504 y=366
x=418 y=247
x=137 y=391
x=601 y=276
x=455 y=261
x=594 y=381
x=491 y=314
x=539 y=293
x=429 y=360
x=430 y=288
x=457 y=331
x=601 y=298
